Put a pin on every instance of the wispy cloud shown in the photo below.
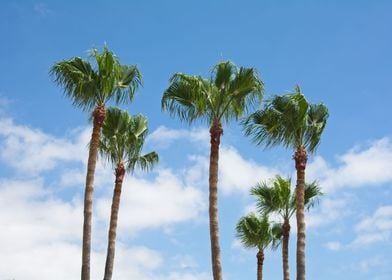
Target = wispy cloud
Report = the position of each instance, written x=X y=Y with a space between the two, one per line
x=359 y=167
x=163 y=136
x=31 y=151
x=154 y=203
x=42 y=230
x=375 y=228
x=330 y=210
x=42 y=9
x=333 y=246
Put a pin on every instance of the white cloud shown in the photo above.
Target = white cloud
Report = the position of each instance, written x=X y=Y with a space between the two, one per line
x=42 y=9
x=359 y=167
x=236 y=174
x=32 y=233
x=376 y=228
x=164 y=137
x=366 y=265
x=329 y=211
x=333 y=245
x=42 y=234
x=153 y=203
x=186 y=276
x=72 y=177
x=185 y=261
x=239 y=174
x=31 y=151
x=31 y=215
x=39 y=233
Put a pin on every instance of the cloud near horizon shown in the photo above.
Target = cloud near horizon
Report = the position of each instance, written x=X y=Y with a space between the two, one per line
x=30 y=204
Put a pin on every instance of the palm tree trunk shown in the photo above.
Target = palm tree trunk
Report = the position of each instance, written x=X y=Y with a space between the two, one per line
x=120 y=172
x=260 y=261
x=300 y=158
x=215 y=132
x=99 y=117
x=285 y=249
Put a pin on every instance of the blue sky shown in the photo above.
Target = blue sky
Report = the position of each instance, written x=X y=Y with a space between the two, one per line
x=338 y=51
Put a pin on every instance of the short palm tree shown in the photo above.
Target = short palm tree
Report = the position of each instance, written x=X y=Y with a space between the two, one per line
x=90 y=88
x=228 y=93
x=121 y=144
x=256 y=232
x=276 y=197
x=291 y=121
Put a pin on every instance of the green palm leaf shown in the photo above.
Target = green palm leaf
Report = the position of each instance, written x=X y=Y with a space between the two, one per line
x=122 y=140
x=253 y=231
x=288 y=120
x=89 y=86
x=228 y=93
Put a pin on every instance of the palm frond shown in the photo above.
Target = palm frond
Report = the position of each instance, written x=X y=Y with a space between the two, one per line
x=222 y=74
x=144 y=162
x=274 y=196
x=88 y=85
x=78 y=80
x=288 y=120
x=277 y=235
x=265 y=196
x=253 y=231
x=186 y=97
x=312 y=194
x=243 y=93
x=229 y=93
x=123 y=138
x=316 y=122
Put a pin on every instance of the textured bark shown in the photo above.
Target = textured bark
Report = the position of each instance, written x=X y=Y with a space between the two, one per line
x=215 y=132
x=260 y=262
x=98 y=117
x=285 y=249
x=120 y=172
x=300 y=158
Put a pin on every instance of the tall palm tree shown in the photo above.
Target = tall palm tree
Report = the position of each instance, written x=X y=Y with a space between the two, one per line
x=255 y=232
x=226 y=95
x=293 y=122
x=276 y=197
x=121 y=144
x=90 y=87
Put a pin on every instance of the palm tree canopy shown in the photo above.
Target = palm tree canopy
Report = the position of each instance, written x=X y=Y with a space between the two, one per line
x=276 y=196
x=289 y=120
x=123 y=138
x=227 y=94
x=89 y=86
x=253 y=231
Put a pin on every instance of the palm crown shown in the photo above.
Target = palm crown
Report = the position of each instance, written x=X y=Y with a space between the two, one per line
x=277 y=196
x=229 y=91
x=289 y=120
x=254 y=231
x=122 y=140
x=89 y=87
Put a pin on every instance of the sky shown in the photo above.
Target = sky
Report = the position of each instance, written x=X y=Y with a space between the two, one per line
x=339 y=52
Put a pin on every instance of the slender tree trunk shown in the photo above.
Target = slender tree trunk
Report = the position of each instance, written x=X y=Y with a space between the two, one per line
x=300 y=158
x=215 y=132
x=98 y=117
x=260 y=262
x=120 y=172
x=285 y=249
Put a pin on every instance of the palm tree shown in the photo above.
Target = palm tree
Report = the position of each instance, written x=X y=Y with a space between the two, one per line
x=277 y=197
x=90 y=88
x=257 y=232
x=121 y=144
x=292 y=121
x=228 y=93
